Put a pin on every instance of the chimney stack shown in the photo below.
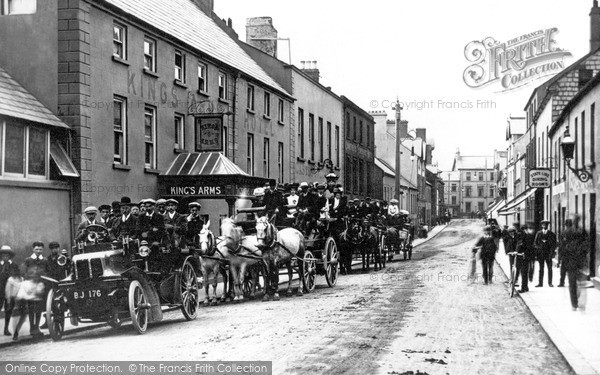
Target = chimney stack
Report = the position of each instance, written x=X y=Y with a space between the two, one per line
x=311 y=70
x=595 y=27
x=403 y=130
x=207 y=6
x=421 y=133
x=261 y=34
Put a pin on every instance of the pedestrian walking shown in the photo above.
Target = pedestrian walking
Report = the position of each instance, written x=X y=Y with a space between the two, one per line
x=488 y=247
x=545 y=245
x=522 y=247
x=32 y=288
x=8 y=269
x=573 y=255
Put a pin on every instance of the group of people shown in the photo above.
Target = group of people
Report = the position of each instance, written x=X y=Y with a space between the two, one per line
x=155 y=221
x=526 y=247
x=22 y=289
x=300 y=205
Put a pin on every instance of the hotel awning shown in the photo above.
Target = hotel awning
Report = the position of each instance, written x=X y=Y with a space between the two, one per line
x=61 y=160
x=208 y=175
x=496 y=206
x=513 y=205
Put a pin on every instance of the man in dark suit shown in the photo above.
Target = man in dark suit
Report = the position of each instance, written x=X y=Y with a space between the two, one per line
x=151 y=226
x=126 y=224
x=105 y=218
x=545 y=244
x=337 y=204
x=274 y=202
x=573 y=254
x=194 y=223
x=7 y=269
x=320 y=200
x=175 y=223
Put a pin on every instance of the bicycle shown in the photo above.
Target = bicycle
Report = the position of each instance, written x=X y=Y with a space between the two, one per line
x=513 y=273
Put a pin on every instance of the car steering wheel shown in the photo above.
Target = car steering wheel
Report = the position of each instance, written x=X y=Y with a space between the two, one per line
x=96 y=232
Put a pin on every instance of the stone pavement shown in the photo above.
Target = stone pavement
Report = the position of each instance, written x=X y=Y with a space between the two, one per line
x=575 y=333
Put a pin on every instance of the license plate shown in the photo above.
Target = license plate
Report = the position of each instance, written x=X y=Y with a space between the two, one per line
x=87 y=294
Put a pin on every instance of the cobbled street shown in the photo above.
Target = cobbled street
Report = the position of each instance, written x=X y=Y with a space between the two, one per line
x=416 y=317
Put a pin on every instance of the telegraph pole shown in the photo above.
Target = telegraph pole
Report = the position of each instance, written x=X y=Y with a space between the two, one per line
x=398 y=150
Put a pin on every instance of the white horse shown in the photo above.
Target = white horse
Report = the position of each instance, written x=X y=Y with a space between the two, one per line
x=280 y=247
x=243 y=255
x=212 y=262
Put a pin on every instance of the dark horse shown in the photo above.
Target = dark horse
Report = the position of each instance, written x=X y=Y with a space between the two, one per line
x=360 y=234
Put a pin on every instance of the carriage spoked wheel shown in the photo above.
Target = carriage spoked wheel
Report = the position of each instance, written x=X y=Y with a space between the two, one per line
x=138 y=306
x=332 y=265
x=310 y=270
x=248 y=286
x=188 y=288
x=55 y=314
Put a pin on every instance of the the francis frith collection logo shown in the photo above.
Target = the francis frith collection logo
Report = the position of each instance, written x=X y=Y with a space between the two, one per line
x=514 y=63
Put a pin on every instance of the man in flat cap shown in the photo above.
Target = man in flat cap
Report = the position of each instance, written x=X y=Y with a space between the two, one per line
x=151 y=225
x=175 y=223
x=90 y=219
x=545 y=245
x=7 y=269
x=125 y=225
x=161 y=206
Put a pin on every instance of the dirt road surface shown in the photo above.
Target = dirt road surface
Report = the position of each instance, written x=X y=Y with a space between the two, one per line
x=418 y=316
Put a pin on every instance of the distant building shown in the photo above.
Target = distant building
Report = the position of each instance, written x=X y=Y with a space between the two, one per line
x=477 y=183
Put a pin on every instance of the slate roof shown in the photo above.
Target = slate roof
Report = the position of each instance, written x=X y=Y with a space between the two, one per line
x=390 y=171
x=473 y=162
x=17 y=102
x=203 y=164
x=183 y=20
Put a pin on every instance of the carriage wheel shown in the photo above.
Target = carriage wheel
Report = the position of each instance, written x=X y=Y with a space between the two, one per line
x=310 y=269
x=55 y=314
x=248 y=285
x=332 y=262
x=138 y=307
x=188 y=286
x=382 y=251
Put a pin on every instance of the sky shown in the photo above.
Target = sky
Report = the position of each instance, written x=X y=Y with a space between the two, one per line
x=376 y=51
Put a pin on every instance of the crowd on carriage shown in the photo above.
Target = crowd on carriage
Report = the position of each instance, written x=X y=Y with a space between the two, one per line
x=302 y=205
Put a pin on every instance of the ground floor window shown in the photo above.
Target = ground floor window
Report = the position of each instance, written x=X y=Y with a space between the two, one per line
x=24 y=151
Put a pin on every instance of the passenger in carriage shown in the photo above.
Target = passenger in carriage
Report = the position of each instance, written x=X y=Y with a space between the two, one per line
x=337 y=204
x=135 y=210
x=115 y=211
x=292 y=201
x=161 y=206
x=305 y=204
x=125 y=225
x=274 y=202
x=331 y=185
x=320 y=201
x=151 y=225
x=90 y=219
x=175 y=224
x=194 y=223
x=104 y=215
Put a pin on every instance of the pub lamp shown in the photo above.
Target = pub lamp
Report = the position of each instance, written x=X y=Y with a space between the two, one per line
x=567 y=146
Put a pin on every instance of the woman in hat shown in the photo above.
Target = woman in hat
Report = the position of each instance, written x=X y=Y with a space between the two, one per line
x=8 y=269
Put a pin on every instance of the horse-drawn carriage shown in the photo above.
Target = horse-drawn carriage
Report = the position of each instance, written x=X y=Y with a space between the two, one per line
x=321 y=254
x=398 y=236
x=113 y=281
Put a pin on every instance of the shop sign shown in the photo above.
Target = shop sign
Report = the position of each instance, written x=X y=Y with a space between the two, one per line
x=540 y=178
